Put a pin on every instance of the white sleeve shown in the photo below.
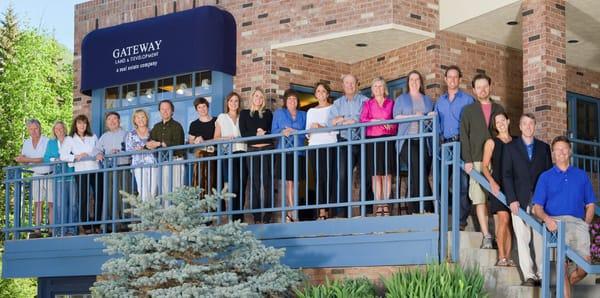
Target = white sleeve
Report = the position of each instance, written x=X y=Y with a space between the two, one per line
x=65 y=150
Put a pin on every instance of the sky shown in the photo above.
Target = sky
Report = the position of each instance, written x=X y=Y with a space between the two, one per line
x=56 y=17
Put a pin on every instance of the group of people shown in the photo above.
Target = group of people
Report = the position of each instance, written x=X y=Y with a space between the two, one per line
x=521 y=167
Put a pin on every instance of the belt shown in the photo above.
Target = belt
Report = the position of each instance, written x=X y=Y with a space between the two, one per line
x=455 y=138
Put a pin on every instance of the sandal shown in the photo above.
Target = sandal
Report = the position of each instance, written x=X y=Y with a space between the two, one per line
x=510 y=263
x=322 y=215
x=502 y=262
x=289 y=218
x=379 y=211
x=386 y=210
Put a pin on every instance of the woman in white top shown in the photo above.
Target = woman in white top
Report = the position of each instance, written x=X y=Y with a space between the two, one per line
x=78 y=148
x=322 y=160
x=227 y=127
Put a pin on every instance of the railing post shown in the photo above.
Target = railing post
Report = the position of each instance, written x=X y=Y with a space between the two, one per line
x=283 y=186
x=422 y=179
x=363 y=209
x=434 y=151
x=18 y=184
x=296 y=182
x=349 y=167
x=546 y=261
x=455 y=200
x=560 y=259
x=444 y=205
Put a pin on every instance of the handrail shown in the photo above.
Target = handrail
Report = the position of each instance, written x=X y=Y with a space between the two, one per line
x=223 y=153
x=267 y=137
x=550 y=240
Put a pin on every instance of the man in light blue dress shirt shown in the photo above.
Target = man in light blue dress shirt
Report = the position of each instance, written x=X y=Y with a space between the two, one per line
x=346 y=111
x=448 y=108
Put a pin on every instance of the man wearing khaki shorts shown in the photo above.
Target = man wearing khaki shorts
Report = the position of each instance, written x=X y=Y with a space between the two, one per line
x=475 y=129
x=565 y=193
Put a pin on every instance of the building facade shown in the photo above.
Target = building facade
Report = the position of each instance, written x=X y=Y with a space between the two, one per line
x=526 y=47
x=542 y=57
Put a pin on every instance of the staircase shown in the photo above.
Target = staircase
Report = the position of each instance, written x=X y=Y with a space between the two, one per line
x=506 y=281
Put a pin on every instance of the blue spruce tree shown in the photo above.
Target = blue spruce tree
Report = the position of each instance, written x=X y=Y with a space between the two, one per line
x=178 y=251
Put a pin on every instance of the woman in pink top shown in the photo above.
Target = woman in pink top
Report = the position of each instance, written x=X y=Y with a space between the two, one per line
x=382 y=154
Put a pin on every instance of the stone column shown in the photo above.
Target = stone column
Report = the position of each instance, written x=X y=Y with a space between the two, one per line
x=544 y=65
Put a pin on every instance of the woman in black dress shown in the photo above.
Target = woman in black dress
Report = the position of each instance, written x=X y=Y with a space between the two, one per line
x=202 y=130
x=492 y=160
x=257 y=121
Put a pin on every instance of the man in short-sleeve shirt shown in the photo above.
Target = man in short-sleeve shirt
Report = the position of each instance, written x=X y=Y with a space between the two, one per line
x=565 y=193
x=32 y=153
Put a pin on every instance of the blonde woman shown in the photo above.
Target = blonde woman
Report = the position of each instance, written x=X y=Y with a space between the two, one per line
x=381 y=154
x=145 y=171
x=256 y=121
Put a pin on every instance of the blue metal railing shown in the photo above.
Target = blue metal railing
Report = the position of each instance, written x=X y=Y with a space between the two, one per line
x=105 y=211
x=449 y=157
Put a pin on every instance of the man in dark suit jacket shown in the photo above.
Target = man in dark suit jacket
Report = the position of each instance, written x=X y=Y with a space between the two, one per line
x=524 y=159
x=475 y=129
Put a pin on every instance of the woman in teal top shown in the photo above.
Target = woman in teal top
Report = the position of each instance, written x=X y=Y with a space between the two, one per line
x=66 y=203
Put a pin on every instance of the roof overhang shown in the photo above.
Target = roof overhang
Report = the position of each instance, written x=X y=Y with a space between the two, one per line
x=342 y=46
x=487 y=20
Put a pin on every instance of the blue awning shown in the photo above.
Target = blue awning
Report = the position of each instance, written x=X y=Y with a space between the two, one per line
x=202 y=38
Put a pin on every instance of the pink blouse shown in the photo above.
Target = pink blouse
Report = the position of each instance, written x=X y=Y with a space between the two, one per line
x=372 y=111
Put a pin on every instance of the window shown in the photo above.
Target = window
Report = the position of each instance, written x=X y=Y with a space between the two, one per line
x=183 y=86
x=395 y=88
x=307 y=96
x=110 y=97
x=203 y=81
x=165 y=89
x=147 y=91
x=129 y=95
x=181 y=89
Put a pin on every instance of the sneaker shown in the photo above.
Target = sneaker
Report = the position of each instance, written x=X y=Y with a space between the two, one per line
x=487 y=242
x=530 y=282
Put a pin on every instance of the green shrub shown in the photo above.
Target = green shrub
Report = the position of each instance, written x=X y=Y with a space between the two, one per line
x=437 y=280
x=359 y=288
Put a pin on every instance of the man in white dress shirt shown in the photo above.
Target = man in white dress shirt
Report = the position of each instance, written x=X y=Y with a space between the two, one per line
x=32 y=153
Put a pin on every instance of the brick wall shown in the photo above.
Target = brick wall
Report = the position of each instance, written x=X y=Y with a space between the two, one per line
x=263 y=23
x=260 y=24
x=583 y=81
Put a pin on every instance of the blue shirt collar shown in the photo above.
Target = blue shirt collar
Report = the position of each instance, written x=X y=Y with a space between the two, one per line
x=559 y=171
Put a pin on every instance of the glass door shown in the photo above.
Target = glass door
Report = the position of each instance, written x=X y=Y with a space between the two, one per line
x=583 y=122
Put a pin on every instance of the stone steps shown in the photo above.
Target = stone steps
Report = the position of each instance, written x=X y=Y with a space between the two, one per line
x=506 y=281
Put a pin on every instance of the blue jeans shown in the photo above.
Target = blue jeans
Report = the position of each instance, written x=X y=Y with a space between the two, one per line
x=66 y=204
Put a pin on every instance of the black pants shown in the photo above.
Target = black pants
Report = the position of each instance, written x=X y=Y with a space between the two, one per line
x=237 y=183
x=345 y=178
x=323 y=163
x=411 y=147
x=90 y=209
x=261 y=176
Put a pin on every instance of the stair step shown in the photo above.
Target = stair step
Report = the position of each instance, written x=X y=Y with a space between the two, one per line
x=521 y=292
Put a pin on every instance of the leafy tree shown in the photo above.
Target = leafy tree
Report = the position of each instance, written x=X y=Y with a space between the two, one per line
x=17 y=288
x=36 y=81
x=190 y=256
x=9 y=33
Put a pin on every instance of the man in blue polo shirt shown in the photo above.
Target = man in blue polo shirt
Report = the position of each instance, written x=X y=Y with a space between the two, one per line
x=565 y=193
x=448 y=109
